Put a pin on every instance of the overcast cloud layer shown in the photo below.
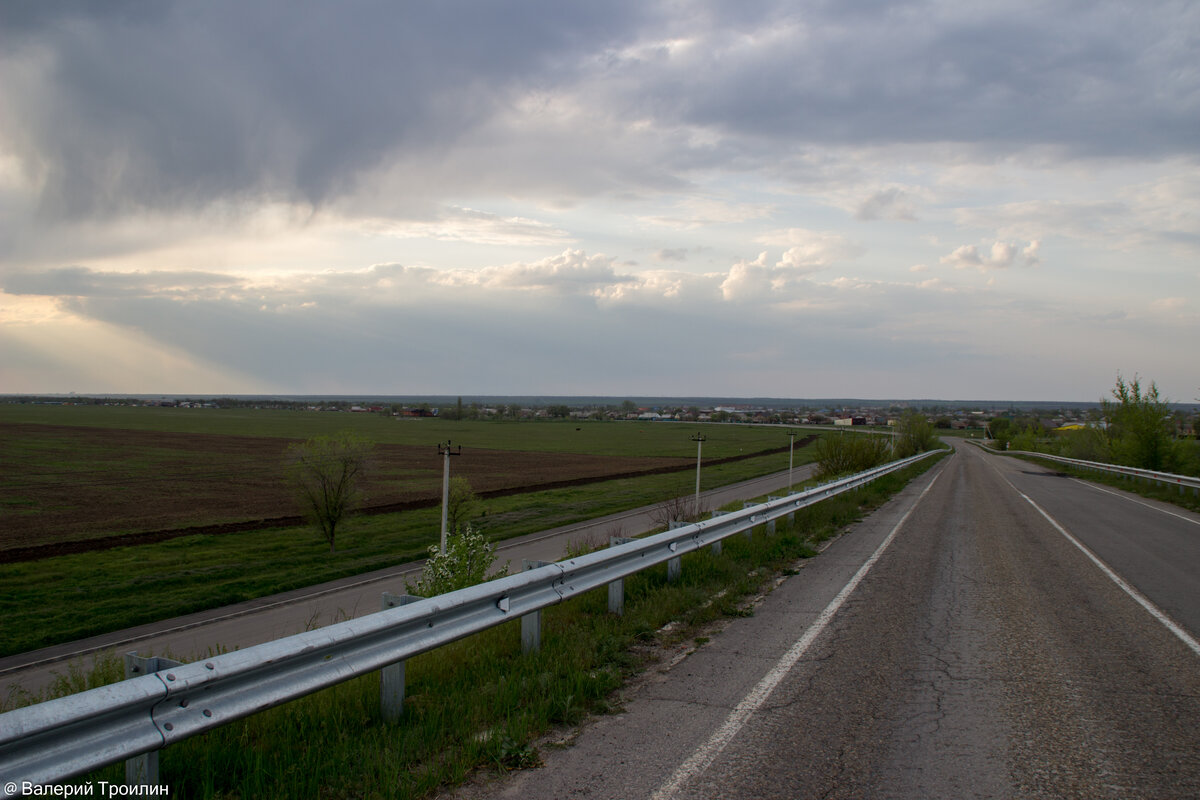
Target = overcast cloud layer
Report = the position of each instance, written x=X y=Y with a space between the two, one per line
x=926 y=199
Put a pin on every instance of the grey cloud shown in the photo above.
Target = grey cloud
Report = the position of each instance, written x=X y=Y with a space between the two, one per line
x=85 y=282
x=324 y=334
x=678 y=254
x=173 y=105
x=505 y=346
x=1091 y=78
x=193 y=102
x=889 y=203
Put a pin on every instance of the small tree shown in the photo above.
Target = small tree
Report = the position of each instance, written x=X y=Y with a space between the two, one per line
x=325 y=471
x=1138 y=426
x=462 y=504
x=914 y=434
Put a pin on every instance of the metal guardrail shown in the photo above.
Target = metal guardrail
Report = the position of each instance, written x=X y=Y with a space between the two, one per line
x=70 y=736
x=1164 y=478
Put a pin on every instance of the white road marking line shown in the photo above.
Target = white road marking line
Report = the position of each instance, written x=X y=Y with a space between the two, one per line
x=1141 y=599
x=1137 y=596
x=1098 y=488
x=1091 y=485
x=737 y=719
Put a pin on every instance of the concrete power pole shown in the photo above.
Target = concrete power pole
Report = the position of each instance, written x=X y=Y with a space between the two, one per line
x=446 y=451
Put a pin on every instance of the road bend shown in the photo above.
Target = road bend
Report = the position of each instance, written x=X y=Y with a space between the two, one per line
x=995 y=631
x=268 y=618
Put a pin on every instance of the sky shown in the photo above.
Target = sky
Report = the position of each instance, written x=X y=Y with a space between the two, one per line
x=854 y=198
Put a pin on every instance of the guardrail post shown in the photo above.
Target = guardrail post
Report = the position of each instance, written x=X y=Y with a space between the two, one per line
x=771 y=523
x=616 y=589
x=391 y=677
x=143 y=770
x=531 y=623
x=749 y=532
x=675 y=565
x=715 y=547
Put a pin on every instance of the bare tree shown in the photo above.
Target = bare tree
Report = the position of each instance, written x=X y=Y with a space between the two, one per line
x=677 y=509
x=325 y=471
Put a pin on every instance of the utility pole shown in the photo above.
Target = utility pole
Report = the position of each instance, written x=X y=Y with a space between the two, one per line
x=791 y=451
x=446 y=451
x=699 y=440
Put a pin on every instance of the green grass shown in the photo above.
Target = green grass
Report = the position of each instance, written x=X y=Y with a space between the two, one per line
x=480 y=703
x=65 y=598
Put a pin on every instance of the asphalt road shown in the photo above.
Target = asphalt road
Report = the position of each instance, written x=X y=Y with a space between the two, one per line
x=959 y=643
x=262 y=620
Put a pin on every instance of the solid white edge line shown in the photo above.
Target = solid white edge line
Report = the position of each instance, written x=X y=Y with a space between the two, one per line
x=737 y=719
x=1150 y=506
x=1141 y=599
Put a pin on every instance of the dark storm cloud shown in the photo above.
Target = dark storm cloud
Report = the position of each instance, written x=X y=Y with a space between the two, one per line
x=188 y=102
x=114 y=107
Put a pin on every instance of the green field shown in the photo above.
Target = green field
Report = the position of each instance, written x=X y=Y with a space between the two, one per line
x=67 y=597
x=671 y=439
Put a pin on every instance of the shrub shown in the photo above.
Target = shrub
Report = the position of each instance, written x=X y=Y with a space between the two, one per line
x=466 y=562
x=847 y=454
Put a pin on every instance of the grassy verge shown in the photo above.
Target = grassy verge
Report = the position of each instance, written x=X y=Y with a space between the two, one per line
x=42 y=600
x=480 y=703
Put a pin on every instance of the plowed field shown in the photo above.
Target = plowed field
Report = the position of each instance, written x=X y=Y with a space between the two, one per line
x=67 y=489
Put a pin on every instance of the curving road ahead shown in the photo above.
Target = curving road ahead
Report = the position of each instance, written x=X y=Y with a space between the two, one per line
x=996 y=631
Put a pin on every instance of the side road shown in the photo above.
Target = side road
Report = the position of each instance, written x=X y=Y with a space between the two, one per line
x=273 y=617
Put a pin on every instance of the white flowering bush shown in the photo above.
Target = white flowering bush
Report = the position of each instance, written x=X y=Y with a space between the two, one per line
x=466 y=562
